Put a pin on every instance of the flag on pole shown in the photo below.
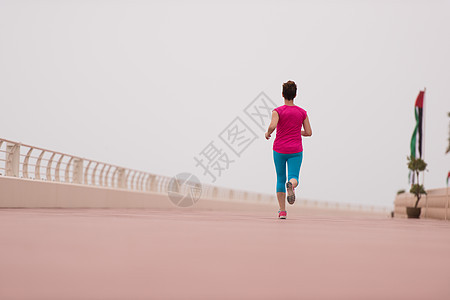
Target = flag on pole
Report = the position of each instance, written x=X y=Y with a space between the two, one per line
x=448 y=177
x=418 y=112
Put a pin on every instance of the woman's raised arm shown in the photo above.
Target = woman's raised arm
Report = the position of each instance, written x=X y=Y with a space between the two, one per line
x=307 y=127
x=273 y=124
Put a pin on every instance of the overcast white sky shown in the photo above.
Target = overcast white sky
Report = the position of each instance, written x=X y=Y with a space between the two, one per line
x=149 y=84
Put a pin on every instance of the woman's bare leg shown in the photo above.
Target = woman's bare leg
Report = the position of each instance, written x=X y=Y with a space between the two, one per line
x=281 y=200
x=294 y=182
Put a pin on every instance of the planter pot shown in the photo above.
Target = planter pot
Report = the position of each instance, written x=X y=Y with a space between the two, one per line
x=413 y=212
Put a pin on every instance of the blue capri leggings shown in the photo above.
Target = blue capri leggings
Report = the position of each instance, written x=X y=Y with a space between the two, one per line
x=294 y=162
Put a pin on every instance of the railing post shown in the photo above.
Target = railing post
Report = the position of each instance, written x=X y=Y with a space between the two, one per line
x=154 y=184
x=12 y=159
x=77 y=176
x=121 y=178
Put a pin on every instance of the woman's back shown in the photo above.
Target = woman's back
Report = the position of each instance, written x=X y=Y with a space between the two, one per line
x=288 y=137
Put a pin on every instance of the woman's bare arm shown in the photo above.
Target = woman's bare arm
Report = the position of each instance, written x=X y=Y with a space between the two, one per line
x=273 y=124
x=307 y=127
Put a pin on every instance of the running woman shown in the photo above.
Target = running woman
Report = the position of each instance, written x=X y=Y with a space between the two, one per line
x=287 y=147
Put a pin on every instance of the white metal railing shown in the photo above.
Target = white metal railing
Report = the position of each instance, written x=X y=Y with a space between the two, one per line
x=31 y=162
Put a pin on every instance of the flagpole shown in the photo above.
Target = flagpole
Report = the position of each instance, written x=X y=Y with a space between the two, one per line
x=446 y=207
x=447 y=203
x=423 y=147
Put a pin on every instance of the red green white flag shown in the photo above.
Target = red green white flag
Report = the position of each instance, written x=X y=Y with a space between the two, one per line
x=418 y=112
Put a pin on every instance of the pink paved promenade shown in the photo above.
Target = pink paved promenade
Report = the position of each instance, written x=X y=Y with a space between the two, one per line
x=200 y=254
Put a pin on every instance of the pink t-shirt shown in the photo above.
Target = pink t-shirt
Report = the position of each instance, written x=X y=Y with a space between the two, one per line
x=289 y=129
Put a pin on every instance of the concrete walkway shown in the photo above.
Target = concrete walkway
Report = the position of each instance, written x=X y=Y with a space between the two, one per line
x=199 y=254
